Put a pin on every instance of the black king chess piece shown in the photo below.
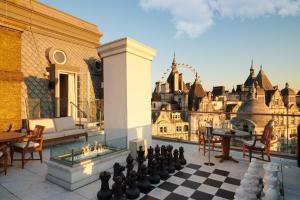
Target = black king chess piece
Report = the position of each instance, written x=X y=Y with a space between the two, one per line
x=129 y=165
x=182 y=160
x=154 y=177
x=143 y=182
x=140 y=158
x=177 y=164
x=104 y=193
x=118 y=171
x=118 y=189
x=132 y=192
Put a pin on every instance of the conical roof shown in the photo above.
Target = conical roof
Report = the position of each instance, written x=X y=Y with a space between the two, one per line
x=263 y=80
x=196 y=93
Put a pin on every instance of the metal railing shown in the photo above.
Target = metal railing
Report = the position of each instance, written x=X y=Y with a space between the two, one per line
x=284 y=139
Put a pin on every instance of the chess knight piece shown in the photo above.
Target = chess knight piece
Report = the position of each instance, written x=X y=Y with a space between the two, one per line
x=177 y=164
x=143 y=182
x=104 y=193
x=140 y=158
x=154 y=177
x=182 y=160
x=118 y=171
x=132 y=191
x=118 y=189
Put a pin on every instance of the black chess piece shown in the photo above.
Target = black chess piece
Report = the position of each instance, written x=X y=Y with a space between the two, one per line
x=118 y=189
x=104 y=193
x=150 y=156
x=163 y=150
x=177 y=164
x=170 y=148
x=140 y=158
x=129 y=165
x=132 y=192
x=118 y=171
x=157 y=153
x=154 y=177
x=170 y=164
x=182 y=160
x=143 y=182
x=163 y=172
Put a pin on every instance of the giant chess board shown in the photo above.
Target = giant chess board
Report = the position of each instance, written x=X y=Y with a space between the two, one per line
x=194 y=182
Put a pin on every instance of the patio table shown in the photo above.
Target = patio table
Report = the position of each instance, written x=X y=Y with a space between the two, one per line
x=226 y=135
x=7 y=137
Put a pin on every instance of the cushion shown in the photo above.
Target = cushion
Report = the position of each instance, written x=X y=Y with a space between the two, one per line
x=64 y=123
x=53 y=135
x=48 y=123
x=73 y=132
x=258 y=144
x=23 y=144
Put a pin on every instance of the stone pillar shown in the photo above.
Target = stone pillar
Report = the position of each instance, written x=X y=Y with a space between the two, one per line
x=127 y=89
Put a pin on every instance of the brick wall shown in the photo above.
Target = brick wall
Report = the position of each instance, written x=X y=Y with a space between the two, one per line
x=10 y=78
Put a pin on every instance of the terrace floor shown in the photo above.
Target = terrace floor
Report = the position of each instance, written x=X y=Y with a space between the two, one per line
x=30 y=183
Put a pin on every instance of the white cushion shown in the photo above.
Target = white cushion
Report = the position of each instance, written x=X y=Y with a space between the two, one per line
x=23 y=144
x=53 y=135
x=1 y=153
x=258 y=144
x=73 y=132
x=64 y=123
x=48 y=123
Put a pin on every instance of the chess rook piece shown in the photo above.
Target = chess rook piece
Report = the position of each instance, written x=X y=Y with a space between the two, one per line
x=163 y=172
x=118 y=171
x=150 y=156
x=170 y=164
x=157 y=153
x=143 y=182
x=154 y=177
x=140 y=158
x=177 y=164
x=182 y=160
x=132 y=192
x=129 y=165
x=104 y=193
x=118 y=189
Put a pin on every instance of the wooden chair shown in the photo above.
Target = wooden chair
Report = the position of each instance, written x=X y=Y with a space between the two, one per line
x=3 y=158
x=260 y=143
x=202 y=139
x=33 y=144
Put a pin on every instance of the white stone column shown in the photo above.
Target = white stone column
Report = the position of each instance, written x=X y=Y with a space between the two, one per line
x=127 y=89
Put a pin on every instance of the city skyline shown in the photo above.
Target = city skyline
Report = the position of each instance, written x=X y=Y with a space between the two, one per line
x=268 y=36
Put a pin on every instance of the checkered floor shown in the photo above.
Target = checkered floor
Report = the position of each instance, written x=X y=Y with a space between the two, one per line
x=194 y=182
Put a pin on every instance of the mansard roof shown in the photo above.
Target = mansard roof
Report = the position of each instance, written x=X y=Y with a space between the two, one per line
x=263 y=80
x=196 y=93
x=218 y=90
x=287 y=91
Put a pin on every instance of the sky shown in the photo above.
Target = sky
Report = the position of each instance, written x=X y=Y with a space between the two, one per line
x=218 y=38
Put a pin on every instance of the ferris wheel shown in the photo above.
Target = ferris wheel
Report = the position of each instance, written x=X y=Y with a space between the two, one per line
x=180 y=65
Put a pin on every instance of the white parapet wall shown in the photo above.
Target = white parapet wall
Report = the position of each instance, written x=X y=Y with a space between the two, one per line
x=127 y=89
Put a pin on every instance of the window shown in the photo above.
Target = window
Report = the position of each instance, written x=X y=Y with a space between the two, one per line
x=186 y=128
x=161 y=129
x=178 y=128
x=154 y=105
x=165 y=129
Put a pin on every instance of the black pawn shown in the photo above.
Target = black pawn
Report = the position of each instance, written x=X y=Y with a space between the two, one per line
x=118 y=189
x=129 y=165
x=157 y=153
x=118 y=171
x=150 y=156
x=144 y=183
x=163 y=172
x=182 y=160
x=132 y=191
x=105 y=193
x=177 y=164
x=140 y=158
x=154 y=177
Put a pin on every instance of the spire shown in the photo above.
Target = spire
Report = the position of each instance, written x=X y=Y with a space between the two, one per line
x=287 y=85
x=260 y=67
x=251 y=64
x=251 y=68
x=174 y=64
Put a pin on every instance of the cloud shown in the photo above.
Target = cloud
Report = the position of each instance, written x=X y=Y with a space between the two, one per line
x=194 y=17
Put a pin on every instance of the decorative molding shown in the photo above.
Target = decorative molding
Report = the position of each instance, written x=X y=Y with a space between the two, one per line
x=11 y=76
x=126 y=45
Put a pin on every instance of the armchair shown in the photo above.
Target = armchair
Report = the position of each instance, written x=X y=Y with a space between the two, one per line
x=260 y=143
x=202 y=139
x=33 y=143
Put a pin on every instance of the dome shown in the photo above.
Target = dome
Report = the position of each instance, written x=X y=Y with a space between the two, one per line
x=254 y=106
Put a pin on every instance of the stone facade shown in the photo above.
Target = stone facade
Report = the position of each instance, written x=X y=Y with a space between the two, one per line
x=10 y=78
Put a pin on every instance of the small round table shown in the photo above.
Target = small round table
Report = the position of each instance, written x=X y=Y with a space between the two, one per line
x=10 y=136
x=226 y=135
